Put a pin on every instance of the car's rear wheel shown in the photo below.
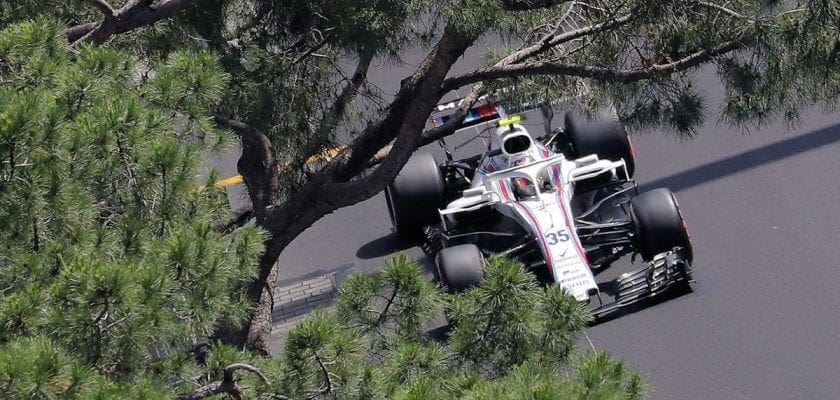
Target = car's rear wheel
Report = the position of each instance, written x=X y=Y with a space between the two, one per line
x=415 y=196
x=604 y=136
x=660 y=225
x=460 y=267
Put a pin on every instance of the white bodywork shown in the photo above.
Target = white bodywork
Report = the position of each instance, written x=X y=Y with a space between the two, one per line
x=548 y=213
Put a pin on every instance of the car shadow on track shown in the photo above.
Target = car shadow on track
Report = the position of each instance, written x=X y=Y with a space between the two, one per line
x=383 y=246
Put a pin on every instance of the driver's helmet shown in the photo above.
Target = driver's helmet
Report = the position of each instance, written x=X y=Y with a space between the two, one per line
x=523 y=188
x=519 y=159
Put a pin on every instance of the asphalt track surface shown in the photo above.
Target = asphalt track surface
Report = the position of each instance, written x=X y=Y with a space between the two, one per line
x=762 y=207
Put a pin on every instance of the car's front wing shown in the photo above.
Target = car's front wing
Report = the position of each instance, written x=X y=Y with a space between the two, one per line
x=666 y=270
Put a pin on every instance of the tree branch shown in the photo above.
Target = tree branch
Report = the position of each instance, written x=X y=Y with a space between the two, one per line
x=230 y=369
x=456 y=119
x=528 y=5
x=104 y=7
x=388 y=303
x=329 y=385
x=406 y=113
x=448 y=128
x=135 y=3
x=548 y=42
x=725 y=10
x=77 y=32
x=325 y=192
x=408 y=134
x=553 y=40
x=133 y=15
x=237 y=222
x=333 y=115
x=257 y=165
x=244 y=131
x=212 y=390
x=604 y=74
x=226 y=385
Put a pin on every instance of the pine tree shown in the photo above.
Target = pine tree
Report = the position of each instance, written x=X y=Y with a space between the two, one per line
x=510 y=338
x=110 y=266
x=114 y=277
x=292 y=99
x=106 y=114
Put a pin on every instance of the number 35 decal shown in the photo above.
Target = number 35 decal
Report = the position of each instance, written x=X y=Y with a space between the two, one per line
x=557 y=237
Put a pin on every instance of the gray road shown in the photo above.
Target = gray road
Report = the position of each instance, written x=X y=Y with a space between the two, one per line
x=764 y=319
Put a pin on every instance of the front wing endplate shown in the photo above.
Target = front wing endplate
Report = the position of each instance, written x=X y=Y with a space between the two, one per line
x=664 y=272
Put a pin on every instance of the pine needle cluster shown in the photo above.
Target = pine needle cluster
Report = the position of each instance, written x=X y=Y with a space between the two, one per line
x=110 y=263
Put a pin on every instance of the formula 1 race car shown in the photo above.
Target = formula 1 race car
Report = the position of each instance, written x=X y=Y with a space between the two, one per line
x=564 y=204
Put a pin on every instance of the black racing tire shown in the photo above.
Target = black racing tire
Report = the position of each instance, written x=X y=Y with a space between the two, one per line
x=605 y=136
x=415 y=196
x=460 y=267
x=660 y=225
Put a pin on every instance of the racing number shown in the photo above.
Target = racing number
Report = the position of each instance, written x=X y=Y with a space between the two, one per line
x=557 y=237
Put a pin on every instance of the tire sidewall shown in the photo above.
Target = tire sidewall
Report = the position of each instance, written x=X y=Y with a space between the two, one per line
x=460 y=267
x=659 y=224
x=605 y=137
x=415 y=195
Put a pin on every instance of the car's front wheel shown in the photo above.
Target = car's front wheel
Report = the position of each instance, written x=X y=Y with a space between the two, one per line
x=460 y=267
x=660 y=225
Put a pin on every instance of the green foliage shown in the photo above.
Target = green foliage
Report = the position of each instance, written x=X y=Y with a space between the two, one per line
x=509 y=295
x=788 y=59
x=511 y=338
x=110 y=266
x=288 y=61
x=675 y=104
x=73 y=11
x=411 y=301
x=594 y=377
x=349 y=24
x=35 y=368
x=473 y=18
x=107 y=248
x=796 y=65
x=111 y=270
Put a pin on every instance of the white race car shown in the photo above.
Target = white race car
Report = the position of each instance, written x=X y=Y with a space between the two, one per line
x=564 y=204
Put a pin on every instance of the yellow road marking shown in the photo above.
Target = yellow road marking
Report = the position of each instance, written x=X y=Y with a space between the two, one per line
x=237 y=179
x=233 y=180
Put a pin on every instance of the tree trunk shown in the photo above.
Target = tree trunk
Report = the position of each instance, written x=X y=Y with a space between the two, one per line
x=403 y=123
x=289 y=220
